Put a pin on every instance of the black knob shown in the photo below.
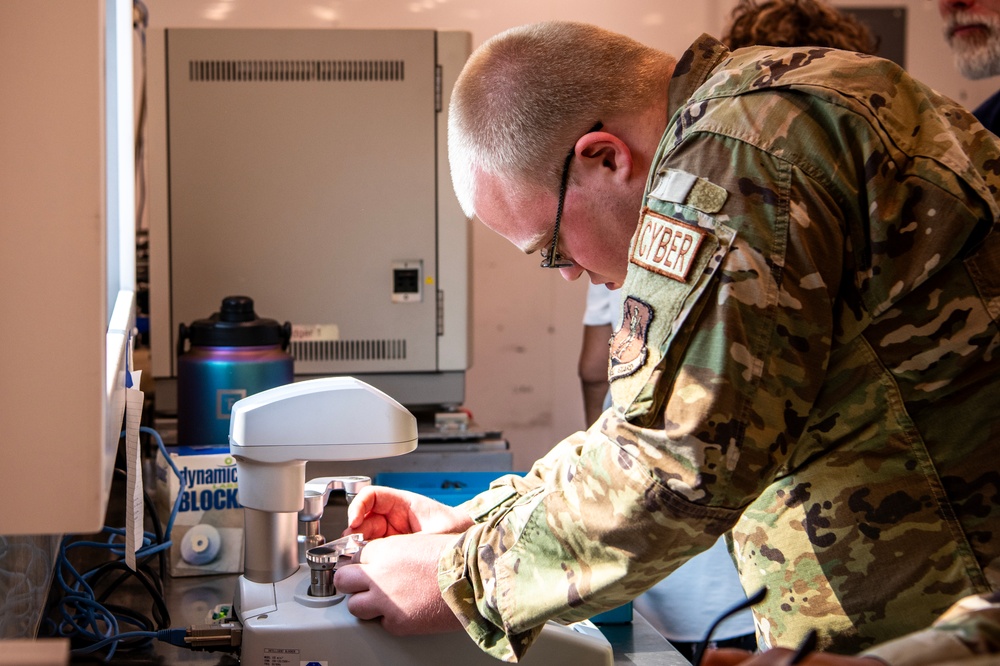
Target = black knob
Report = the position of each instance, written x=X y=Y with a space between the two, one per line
x=237 y=308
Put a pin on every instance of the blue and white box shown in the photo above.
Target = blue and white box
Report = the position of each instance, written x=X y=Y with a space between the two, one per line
x=208 y=531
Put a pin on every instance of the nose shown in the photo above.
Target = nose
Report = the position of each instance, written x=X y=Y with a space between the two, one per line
x=945 y=6
x=571 y=273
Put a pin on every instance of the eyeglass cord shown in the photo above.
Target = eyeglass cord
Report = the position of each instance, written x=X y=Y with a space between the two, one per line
x=752 y=600
x=807 y=645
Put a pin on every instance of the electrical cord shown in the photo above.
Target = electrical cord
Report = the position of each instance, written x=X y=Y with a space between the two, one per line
x=84 y=612
x=140 y=22
x=172 y=636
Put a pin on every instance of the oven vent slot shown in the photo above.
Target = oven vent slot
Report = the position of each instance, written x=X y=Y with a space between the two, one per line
x=295 y=70
x=348 y=350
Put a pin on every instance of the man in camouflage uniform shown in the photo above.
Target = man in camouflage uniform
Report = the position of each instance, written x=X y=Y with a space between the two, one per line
x=807 y=359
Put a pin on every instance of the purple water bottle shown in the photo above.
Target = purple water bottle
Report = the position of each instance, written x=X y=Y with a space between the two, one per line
x=232 y=354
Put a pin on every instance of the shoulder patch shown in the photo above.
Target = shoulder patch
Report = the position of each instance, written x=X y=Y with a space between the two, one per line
x=665 y=246
x=628 y=346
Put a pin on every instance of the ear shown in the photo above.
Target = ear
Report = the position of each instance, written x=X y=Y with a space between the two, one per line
x=603 y=154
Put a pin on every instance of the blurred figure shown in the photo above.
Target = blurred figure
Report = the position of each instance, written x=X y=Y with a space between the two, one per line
x=602 y=314
x=972 y=28
x=796 y=23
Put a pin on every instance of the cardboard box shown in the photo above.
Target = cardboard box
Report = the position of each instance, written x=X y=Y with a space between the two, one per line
x=207 y=536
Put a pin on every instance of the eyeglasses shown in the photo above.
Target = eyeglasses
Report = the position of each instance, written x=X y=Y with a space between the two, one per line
x=550 y=255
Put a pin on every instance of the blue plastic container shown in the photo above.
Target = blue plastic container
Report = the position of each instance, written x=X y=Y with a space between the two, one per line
x=451 y=488
x=233 y=354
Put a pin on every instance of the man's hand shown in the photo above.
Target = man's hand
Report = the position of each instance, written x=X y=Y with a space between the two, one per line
x=396 y=583
x=378 y=512
x=781 y=657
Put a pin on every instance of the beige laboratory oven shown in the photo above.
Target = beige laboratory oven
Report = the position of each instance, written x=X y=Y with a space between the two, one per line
x=307 y=169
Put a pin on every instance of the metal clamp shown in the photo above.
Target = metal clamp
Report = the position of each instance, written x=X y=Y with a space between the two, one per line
x=324 y=560
x=317 y=493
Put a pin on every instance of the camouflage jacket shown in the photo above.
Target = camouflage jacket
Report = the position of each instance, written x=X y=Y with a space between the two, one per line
x=809 y=359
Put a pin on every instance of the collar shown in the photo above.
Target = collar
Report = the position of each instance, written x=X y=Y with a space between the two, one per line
x=692 y=70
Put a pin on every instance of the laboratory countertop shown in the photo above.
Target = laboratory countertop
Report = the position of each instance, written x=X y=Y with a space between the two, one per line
x=191 y=600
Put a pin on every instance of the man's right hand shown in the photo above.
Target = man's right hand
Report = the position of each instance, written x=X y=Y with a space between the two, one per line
x=378 y=512
x=782 y=657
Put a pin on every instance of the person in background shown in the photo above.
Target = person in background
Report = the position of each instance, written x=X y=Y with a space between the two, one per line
x=972 y=28
x=807 y=241
x=599 y=319
x=796 y=23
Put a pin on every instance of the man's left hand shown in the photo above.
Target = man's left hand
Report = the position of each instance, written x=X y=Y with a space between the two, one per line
x=396 y=583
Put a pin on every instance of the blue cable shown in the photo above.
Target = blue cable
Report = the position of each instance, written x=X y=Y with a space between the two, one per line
x=177 y=473
x=172 y=636
x=80 y=614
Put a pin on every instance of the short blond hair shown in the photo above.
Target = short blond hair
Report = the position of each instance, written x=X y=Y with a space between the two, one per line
x=528 y=93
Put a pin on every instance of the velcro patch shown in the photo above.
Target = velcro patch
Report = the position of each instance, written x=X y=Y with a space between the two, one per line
x=665 y=246
x=681 y=187
x=628 y=346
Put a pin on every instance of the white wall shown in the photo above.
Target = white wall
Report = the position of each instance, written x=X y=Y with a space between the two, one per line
x=526 y=328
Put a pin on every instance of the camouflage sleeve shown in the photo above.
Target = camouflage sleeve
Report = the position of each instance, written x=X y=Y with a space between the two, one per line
x=504 y=490
x=572 y=539
x=966 y=634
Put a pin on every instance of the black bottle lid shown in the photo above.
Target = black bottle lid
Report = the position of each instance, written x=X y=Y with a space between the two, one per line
x=235 y=325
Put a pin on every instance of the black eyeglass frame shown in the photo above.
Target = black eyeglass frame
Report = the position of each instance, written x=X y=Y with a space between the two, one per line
x=550 y=256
